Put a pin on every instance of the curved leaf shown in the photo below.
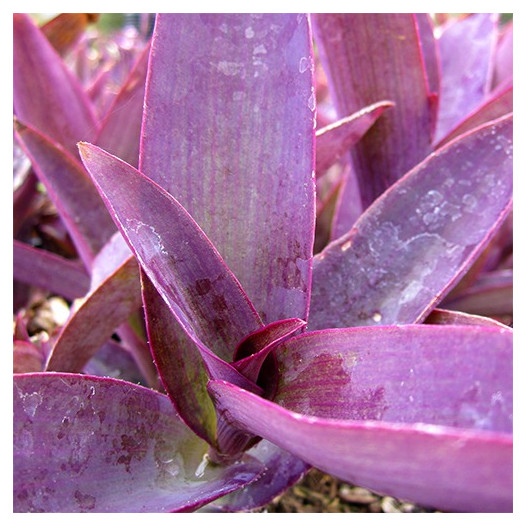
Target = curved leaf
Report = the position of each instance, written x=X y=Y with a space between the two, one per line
x=176 y=255
x=71 y=191
x=450 y=317
x=496 y=105
x=180 y=364
x=120 y=130
x=454 y=376
x=334 y=140
x=411 y=246
x=229 y=132
x=49 y=271
x=46 y=95
x=254 y=349
x=88 y=444
x=392 y=70
x=441 y=467
x=466 y=76
x=282 y=471
x=95 y=319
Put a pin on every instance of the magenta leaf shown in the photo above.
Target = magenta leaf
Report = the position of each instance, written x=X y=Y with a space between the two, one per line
x=490 y=295
x=230 y=97
x=46 y=95
x=121 y=127
x=503 y=65
x=282 y=471
x=429 y=46
x=496 y=105
x=176 y=255
x=254 y=349
x=443 y=467
x=391 y=391
x=96 y=318
x=180 y=365
x=417 y=240
x=466 y=75
x=336 y=139
x=88 y=444
x=49 y=271
x=71 y=191
x=393 y=70
x=404 y=374
x=450 y=317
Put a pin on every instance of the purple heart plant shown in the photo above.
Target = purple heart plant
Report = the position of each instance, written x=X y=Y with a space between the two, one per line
x=276 y=255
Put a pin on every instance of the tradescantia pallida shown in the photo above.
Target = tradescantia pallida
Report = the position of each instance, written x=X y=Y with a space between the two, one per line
x=280 y=259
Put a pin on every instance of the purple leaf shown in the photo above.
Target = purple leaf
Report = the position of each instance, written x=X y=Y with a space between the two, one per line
x=71 y=191
x=494 y=106
x=180 y=365
x=176 y=255
x=443 y=467
x=334 y=140
x=230 y=97
x=416 y=241
x=185 y=368
x=449 y=317
x=96 y=318
x=115 y=361
x=46 y=95
x=404 y=374
x=27 y=357
x=49 y=271
x=282 y=471
x=503 y=66
x=491 y=295
x=88 y=444
x=348 y=206
x=121 y=128
x=429 y=48
x=466 y=75
x=393 y=70
x=254 y=349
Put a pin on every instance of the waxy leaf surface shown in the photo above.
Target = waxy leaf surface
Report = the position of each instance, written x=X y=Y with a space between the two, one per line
x=494 y=106
x=466 y=75
x=176 y=255
x=503 y=66
x=229 y=132
x=95 y=318
x=450 y=317
x=282 y=471
x=436 y=466
x=120 y=130
x=401 y=374
x=49 y=271
x=180 y=365
x=429 y=47
x=71 y=191
x=46 y=95
x=410 y=247
x=335 y=140
x=88 y=444
x=392 y=69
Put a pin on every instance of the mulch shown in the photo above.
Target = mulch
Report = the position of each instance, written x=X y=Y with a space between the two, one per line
x=318 y=492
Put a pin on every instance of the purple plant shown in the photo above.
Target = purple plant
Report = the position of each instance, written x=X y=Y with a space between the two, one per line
x=188 y=203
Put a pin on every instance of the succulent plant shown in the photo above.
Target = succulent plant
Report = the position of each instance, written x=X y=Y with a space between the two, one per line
x=285 y=241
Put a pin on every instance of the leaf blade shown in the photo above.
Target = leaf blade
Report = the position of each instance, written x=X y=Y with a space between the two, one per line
x=411 y=246
x=105 y=445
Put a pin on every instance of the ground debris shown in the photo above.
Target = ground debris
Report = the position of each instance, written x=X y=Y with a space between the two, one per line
x=318 y=492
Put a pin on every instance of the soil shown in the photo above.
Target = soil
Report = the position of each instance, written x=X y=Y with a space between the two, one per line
x=318 y=492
